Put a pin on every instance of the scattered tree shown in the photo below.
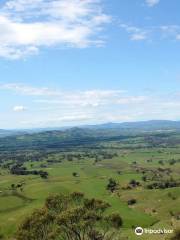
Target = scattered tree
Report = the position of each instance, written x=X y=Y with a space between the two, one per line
x=112 y=185
x=132 y=201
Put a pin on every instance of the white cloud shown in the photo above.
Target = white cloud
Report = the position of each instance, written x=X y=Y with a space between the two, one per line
x=138 y=36
x=56 y=107
x=136 y=33
x=152 y=3
x=178 y=36
x=132 y=100
x=29 y=90
x=89 y=98
x=28 y=25
x=172 y=31
x=146 y=33
x=19 y=108
x=68 y=119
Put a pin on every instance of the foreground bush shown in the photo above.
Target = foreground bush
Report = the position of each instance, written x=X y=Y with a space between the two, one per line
x=70 y=217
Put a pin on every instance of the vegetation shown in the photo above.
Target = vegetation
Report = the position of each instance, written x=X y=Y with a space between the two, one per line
x=135 y=173
x=176 y=235
x=112 y=185
x=70 y=217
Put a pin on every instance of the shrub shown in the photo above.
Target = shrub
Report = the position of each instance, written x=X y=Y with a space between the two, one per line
x=70 y=217
x=132 y=201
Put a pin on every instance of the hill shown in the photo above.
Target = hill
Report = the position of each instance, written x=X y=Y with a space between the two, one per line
x=140 y=125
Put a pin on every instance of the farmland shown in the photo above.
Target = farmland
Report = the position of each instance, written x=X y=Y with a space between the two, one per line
x=144 y=169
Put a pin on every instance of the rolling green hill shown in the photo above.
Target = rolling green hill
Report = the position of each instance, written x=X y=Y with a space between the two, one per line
x=137 y=173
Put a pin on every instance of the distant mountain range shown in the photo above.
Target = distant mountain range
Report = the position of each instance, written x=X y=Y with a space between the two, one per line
x=5 y=133
x=152 y=125
x=141 y=125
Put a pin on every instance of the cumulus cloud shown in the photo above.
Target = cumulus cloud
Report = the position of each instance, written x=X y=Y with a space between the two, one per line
x=152 y=3
x=19 y=108
x=26 y=26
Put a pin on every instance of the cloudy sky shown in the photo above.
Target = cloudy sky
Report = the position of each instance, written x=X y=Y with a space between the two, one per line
x=67 y=63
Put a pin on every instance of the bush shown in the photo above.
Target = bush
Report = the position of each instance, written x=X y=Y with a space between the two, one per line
x=70 y=217
x=132 y=201
x=112 y=185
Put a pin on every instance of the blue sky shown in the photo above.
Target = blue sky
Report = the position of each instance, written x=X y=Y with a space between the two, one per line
x=66 y=63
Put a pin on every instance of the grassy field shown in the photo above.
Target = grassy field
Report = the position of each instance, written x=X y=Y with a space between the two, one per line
x=92 y=180
x=154 y=208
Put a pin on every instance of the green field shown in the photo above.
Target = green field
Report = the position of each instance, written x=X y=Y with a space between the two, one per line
x=154 y=207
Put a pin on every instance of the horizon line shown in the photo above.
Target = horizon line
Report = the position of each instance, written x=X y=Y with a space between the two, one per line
x=85 y=125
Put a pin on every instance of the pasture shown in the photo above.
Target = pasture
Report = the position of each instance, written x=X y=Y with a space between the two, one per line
x=154 y=207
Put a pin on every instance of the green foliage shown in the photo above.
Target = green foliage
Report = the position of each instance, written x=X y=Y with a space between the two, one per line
x=70 y=217
x=131 y=201
x=112 y=185
x=40 y=225
x=130 y=158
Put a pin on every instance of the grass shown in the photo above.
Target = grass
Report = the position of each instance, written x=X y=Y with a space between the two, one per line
x=92 y=180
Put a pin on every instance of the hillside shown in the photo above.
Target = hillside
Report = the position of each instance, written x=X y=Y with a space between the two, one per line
x=140 y=125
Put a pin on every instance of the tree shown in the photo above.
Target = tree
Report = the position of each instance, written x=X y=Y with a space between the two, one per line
x=144 y=178
x=40 y=225
x=131 y=201
x=75 y=174
x=43 y=174
x=112 y=185
x=133 y=183
x=70 y=217
x=13 y=186
x=1 y=236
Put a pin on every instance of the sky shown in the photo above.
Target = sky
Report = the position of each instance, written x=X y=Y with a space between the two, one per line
x=76 y=62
